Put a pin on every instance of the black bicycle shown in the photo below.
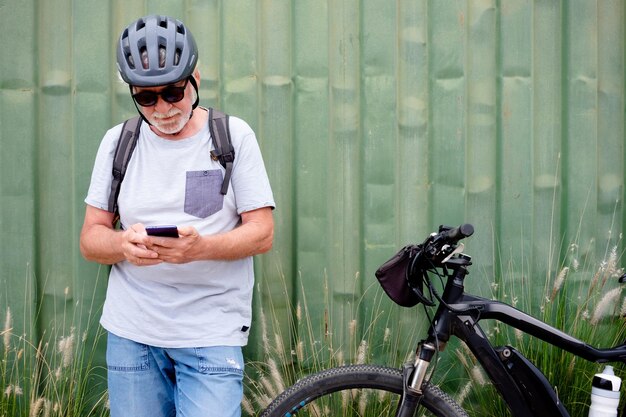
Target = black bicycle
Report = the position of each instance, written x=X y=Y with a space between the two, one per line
x=384 y=391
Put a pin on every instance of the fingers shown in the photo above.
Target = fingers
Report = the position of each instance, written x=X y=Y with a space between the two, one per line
x=175 y=250
x=143 y=250
x=143 y=257
x=135 y=247
x=187 y=236
x=145 y=261
x=188 y=231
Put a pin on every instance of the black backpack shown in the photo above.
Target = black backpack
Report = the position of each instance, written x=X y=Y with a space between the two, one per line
x=223 y=152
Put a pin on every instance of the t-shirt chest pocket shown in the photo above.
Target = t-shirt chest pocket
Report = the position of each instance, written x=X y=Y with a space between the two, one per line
x=202 y=193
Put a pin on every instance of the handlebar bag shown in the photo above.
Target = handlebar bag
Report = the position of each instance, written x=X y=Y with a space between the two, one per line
x=394 y=275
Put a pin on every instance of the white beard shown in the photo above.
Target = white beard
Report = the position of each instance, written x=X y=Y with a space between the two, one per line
x=169 y=127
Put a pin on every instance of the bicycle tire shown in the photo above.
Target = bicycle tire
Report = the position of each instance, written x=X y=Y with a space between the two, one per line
x=346 y=391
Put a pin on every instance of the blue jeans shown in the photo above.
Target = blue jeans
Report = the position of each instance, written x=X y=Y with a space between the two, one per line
x=146 y=381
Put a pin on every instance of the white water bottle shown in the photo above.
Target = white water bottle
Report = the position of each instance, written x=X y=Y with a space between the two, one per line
x=605 y=394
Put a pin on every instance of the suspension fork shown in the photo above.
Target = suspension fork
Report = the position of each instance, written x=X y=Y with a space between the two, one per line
x=424 y=356
x=413 y=376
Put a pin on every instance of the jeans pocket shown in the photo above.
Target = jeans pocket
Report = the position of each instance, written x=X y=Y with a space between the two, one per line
x=124 y=355
x=202 y=193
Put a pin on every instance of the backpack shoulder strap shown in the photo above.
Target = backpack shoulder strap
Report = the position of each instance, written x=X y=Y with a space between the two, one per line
x=224 y=151
x=123 y=152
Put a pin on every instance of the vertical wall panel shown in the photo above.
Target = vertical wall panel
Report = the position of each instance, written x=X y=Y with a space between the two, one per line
x=204 y=16
x=91 y=108
x=378 y=122
x=610 y=99
x=275 y=136
x=546 y=133
x=514 y=140
x=413 y=155
x=345 y=163
x=581 y=117
x=447 y=109
x=18 y=167
x=55 y=170
x=378 y=50
x=312 y=163
x=239 y=59
x=482 y=146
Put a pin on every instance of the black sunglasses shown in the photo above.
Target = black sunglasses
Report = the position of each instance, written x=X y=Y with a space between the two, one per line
x=171 y=94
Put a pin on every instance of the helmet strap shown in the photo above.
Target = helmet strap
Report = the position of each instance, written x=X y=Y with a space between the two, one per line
x=192 y=80
x=130 y=87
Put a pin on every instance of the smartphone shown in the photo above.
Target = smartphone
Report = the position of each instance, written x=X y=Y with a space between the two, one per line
x=162 y=231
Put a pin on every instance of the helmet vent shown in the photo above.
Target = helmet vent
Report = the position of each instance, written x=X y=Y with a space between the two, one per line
x=143 y=53
x=131 y=61
x=162 y=56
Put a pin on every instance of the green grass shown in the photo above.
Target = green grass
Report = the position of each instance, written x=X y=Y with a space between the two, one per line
x=57 y=375
x=309 y=345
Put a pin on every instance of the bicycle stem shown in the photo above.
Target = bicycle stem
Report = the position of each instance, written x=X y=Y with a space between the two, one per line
x=439 y=333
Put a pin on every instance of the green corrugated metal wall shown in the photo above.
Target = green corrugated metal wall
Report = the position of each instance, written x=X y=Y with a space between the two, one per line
x=378 y=121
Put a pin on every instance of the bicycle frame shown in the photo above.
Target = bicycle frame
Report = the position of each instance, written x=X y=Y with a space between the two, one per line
x=522 y=386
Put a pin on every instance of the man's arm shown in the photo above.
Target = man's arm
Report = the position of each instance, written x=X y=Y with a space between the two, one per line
x=100 y=242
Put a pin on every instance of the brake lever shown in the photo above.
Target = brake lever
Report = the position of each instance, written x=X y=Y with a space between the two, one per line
x=459 y=248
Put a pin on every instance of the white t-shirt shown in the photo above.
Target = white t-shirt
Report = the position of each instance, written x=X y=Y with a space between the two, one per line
x=203 y=303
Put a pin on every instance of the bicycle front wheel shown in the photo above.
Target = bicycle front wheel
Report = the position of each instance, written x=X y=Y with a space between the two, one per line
x=356 y=391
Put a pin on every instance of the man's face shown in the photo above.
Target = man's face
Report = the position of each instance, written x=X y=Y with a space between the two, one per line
x=167 y=108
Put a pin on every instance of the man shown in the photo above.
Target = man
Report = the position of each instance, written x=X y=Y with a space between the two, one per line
x=177 y=310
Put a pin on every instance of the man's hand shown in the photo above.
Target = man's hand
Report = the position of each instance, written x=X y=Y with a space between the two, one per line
x=100 y=242
x=135 y=243
x=175 y=250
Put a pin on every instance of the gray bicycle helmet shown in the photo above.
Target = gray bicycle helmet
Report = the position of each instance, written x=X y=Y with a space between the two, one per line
x=156 y=50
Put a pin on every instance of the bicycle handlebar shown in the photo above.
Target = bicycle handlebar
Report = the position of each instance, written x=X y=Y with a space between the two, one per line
x=453 y=235
x=439 y=245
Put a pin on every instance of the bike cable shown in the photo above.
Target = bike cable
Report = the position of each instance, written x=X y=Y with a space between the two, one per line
x=433 y=292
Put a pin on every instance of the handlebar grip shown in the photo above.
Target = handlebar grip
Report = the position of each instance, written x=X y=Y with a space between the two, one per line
x=458 y=233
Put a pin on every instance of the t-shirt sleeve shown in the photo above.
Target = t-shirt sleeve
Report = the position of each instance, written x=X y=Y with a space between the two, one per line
x=249 y=178
x=101 y=176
